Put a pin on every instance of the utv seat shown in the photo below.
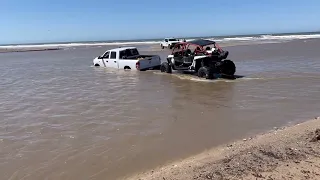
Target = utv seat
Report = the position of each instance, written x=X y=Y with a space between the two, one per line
x=187 y=52
x=188 y=60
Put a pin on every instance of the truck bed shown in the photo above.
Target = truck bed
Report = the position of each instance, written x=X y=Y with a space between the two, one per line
x=141 y=57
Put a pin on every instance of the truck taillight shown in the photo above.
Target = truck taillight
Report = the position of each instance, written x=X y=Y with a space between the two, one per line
x=138 y=65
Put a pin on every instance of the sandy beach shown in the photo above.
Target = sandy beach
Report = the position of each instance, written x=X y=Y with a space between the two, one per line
x=9 y=50
x=284 y=153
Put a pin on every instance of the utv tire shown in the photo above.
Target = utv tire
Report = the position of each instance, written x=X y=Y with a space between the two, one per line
x=228 y=67
x=165 y=67
x=205 y=72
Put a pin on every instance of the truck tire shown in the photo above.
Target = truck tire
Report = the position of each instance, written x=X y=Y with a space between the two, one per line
x=165 y=67
x=228 y=67
x=206 y=72
x=162 y=46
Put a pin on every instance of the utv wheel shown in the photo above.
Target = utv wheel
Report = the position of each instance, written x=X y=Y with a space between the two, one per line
x=165 y=67
x=228 y=67
x=205 y=72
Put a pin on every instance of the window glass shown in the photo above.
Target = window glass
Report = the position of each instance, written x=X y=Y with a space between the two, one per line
x=106 y=55
x=134 y=52
x=113 y=55
x=122 y=53
x=128 y=52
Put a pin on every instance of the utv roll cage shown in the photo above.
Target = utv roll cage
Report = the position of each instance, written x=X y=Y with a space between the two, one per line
x=199 y=46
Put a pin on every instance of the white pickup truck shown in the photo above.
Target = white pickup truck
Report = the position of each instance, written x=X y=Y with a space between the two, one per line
x=169 y=43
x=127 y=58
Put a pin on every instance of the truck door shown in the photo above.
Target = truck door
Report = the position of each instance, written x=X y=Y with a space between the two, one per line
x=166 y=42
x=113 y=60
x=105 y=59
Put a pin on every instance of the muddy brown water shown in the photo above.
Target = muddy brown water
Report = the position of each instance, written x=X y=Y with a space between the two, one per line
x=61 y=118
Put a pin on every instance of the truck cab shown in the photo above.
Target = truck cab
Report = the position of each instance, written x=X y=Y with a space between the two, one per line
x=127 y=58
x=169 y=43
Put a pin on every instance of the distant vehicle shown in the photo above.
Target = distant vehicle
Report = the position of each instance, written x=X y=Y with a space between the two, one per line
x=127 y=58
x=169 y=43
x=204 y=60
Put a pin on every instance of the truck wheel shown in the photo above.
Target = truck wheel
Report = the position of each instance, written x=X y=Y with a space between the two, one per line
x=165 y=67
x=228 y=67
x=170 y=46
x=162 y=46
x=205 y=72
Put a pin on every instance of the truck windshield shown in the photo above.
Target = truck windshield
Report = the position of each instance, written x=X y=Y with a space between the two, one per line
x=173 y=40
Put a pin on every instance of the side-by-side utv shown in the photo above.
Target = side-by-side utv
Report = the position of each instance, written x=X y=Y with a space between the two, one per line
x=201 y=56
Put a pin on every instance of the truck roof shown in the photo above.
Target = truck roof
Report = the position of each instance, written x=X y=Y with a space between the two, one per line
x=122 y=48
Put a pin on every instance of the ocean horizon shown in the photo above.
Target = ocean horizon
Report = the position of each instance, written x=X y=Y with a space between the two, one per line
x=241 y=37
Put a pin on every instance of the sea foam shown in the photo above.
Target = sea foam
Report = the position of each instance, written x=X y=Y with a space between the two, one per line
x=277 y=38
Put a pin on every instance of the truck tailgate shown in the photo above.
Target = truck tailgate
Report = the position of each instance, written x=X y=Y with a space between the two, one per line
x=150 y=62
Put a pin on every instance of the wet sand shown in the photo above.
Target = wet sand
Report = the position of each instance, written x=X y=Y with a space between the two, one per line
x=284 y=153
x=64 y=119
x=9 y=50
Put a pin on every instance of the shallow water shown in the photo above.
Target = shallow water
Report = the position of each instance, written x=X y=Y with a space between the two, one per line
x=61 y=118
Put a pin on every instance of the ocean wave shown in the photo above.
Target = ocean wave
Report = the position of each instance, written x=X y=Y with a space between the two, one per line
x=279 y=38
x=66 y=45
x=265 y=37
x=268 y=38
x=289 y=37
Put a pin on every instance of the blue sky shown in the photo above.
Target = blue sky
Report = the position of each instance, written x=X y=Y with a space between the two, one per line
x=33 y=21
